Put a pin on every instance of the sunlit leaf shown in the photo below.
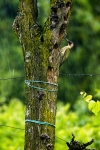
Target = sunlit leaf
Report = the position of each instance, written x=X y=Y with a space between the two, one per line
x=83 y=93
x=88 y=98
x=91 y=104
x=97 y=119
x=96 y=108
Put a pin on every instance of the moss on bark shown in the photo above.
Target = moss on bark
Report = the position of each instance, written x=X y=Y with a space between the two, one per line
x=42 y=59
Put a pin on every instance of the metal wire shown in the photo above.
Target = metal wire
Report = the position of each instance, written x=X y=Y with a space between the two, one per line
x=61 y=74
x=12 y=78
x=24 y=129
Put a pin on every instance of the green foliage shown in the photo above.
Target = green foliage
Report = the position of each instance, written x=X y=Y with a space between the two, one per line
x=43 y=11
x=8 y=8
x=93 y=106
x=81 y=123
x=12 y=115
x=78 y=121
x=11 y=59
x=83 y=29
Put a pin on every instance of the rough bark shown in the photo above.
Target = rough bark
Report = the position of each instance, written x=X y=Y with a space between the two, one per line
x=43 y=56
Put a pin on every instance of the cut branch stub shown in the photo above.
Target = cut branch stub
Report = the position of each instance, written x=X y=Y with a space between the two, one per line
x=76 y=145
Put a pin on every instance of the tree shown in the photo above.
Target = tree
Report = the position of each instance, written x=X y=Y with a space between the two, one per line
x=43 y=57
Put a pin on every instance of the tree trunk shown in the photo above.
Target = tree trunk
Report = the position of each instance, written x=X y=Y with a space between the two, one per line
x=43 y=56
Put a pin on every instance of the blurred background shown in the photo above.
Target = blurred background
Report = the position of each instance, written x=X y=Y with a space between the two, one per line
x=81 y=71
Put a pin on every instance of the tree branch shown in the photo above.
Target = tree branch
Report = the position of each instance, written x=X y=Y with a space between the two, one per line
x=59 y=17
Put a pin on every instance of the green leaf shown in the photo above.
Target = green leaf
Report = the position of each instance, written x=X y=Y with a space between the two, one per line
x=83 y=93
x=96 y=108
x=97 y=119
x=88 y=98
x=91 y=104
